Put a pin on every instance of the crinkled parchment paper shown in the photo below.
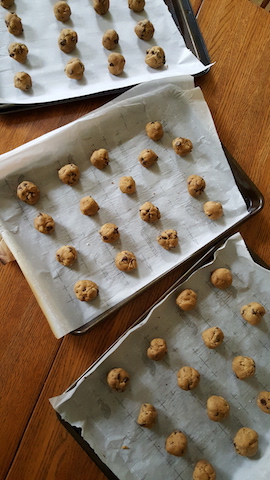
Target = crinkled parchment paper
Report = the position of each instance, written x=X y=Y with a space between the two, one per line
x=108 y=419
x=46 y=62
x=120 y=127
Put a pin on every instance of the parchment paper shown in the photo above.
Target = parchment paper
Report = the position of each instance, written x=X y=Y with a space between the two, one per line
x=46 y=62
x=119 y=127
x=108 y=419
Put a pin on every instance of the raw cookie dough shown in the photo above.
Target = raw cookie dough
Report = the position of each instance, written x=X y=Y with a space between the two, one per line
x=23 y=81
x=66 y=255
x=18 y=51
x=136 y=5
x=217 y=408
x=147 y=158
x=110 y=39
x=62 y=11
x=213 y=337
x=253 y=313
x=85 y=290
x=246 y=442
x=243 y=367
x=149 y=213
x=186 y=300
x=100 y=158
x=127 y=185
x=6 y=3
x=67 y=40
x=204 y=471
x=176 y=444
x=101 y=6
x=88 y=206
x=144 y=29
x=182 y=146
x=125 y=261
x=168 y=239
x=69 y=174
x=118 y=379
x=157 y=349
x=109 y=233
x=13 y=23
x=116 y=63
x=74 y=69
x=44 y=223
x=213 y=210
x=188 y=378
x=263 y=401
x=28 y=192
x=155 y=57
x=196 y=185
x=221 y=278
x=147 y=415
x=154 y=130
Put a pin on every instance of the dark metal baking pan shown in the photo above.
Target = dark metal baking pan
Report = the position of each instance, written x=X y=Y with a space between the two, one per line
x=185 y=21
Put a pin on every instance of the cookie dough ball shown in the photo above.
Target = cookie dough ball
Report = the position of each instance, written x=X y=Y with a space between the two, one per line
x=136 y=5
x=187 y=299
x=196 y=185
x=66 y=255
x=147 y=158
x=118 y=379
x=168 y=239
x=176 y=444
x=62 y=11
x=155 y=57
x=14 y=24
x=149 y=213
x=88 y=206
x=147 y=415
x=85 y=290
x=243 y=367
x=188 y=378
x=154 y=130
x=116 y=63
x=109 y=233
x=144 y=30
x=221 y=278
x=127 y=185
x=67 y=40
x=263 y=401
x=18 y=51
x=204 y=471
x=74 y=69
x=253 y=313
x=101 y=6
x=44 y=223
x=213 y=337
x=6 y=3
x=217 y=408
x=23 y=81
x=157 y=349
x=182 y=146
x=28 y=192
x=125 y=261
x=213 y=210
x=246 y=442
x=110 y=39
x=100 y=158
x=69 y=174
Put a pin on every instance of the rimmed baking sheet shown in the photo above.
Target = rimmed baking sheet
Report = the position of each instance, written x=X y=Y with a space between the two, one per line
x=119 y=127
x=104 y=421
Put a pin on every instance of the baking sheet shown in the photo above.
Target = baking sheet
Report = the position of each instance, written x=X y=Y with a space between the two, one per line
x=119 y=127
x=107 y=420
x=46 y=62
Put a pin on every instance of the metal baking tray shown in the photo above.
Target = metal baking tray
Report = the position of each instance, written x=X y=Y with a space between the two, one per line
x=185 y=21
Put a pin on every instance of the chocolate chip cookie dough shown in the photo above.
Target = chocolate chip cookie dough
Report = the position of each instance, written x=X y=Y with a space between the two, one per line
x=243 y=367
x=23 y=81
x=263 y=401
x=67 y=40
x=118 y=379
x=213 y=337
x=221 y=278
x=149 y=213
x=147 y=158
x=154 y=130
x=246 y=442
x=44 y=223
x=100 y=158
x=203 y=471
x=69 y=174
x=213 y=210
x=66 y=255
x=253 y=313
x=188 y=378
x=109 y=233
x=176 y=444
x=147 y=416
x=168 y=239
x=14 y=24
x=110 y=39
x=182 y=146
x=144 y=30
x=18 y=51
x=101 y=7
x=127 y=185
x=62 y=11
x=136 y=5
x=85 y=290
x=28 y=192
x=155 y=57
x=74 y=69
x=116 y=63
x=88 y=206
x=196 y=185
x=125 y=261
x=157 y=349
x=217 y=408
x=187 y=299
